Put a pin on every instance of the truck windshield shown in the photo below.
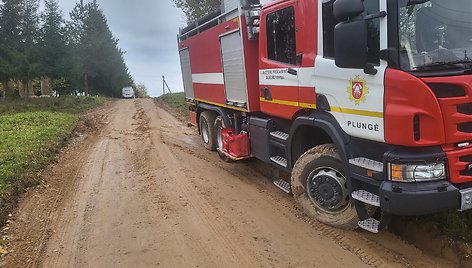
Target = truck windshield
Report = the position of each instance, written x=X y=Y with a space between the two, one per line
x=435 y=35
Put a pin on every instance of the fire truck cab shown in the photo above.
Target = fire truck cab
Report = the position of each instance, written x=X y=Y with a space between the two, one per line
x=366 y=103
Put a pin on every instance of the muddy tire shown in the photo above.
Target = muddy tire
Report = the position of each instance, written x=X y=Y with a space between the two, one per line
x=319 y=186
x=220 y=124
x=207 y=130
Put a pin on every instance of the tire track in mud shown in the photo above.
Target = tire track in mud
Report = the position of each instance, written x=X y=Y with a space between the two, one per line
x=175 y=171
x=332 y=233
x=45 y=230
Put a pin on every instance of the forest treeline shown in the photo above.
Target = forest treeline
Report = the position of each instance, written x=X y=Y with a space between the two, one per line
x=43 y=53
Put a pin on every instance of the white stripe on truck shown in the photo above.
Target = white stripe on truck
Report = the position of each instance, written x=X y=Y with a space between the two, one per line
x=208 y=78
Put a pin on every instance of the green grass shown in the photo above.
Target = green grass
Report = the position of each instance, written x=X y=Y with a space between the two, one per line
x=68 y=104
x=31 y=133
x=28 y=141
x=176 y=101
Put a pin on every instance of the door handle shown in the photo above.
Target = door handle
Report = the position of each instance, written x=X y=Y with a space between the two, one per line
x=292 y=71
x=266 y=93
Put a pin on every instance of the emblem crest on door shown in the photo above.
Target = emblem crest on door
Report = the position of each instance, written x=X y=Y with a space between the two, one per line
x=357 y=90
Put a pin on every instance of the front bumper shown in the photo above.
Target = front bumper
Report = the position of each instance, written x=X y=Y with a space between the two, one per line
x=410 y=199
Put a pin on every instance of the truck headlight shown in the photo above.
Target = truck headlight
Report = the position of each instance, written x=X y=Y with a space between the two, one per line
x=417 y=172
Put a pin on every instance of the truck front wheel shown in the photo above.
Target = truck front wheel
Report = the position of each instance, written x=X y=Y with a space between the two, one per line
x=207 y=129
x=319 y=186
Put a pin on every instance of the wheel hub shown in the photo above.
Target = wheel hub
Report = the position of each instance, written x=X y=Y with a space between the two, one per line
x=327 y=188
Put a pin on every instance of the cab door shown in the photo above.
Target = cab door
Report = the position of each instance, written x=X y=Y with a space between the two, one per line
x=355 y=97
x=279 y=64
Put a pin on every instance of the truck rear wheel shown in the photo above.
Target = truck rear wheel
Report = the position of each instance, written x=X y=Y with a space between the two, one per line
x=319 y=186
x=219 y=125
x=207 y=130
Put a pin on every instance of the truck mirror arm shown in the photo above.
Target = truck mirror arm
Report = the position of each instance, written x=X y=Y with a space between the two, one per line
x=370 y=69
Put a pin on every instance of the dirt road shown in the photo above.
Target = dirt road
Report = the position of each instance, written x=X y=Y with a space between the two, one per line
x=143 y=192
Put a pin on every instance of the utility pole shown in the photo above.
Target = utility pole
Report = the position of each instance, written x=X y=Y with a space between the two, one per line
x=164 y=86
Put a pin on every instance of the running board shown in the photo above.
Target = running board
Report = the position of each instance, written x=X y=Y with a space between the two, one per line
x=283 y=185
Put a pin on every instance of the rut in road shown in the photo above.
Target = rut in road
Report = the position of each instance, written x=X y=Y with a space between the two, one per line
x=145 y=193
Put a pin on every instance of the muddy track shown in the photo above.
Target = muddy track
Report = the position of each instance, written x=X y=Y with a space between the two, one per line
x=143 y=192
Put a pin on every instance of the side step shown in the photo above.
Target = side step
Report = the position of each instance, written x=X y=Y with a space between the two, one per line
x=280 y=135
x=279 y=160
x=370 y=225
x=366 y=197
x=367 y=164
x=283 y=185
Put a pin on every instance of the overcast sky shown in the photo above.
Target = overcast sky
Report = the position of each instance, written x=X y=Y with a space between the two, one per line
x=147 y=32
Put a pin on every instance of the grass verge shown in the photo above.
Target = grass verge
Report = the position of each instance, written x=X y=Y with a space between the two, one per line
x=67 y=104
x=176 y=102
x=28 y=141
x=31 y=134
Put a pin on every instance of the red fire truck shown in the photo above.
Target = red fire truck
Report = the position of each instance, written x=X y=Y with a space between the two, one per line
x=366 y=103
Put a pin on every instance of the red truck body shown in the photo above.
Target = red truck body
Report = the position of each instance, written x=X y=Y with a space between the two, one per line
x=342 y=83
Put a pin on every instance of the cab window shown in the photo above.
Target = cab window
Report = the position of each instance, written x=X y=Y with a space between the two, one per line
x=281 y=43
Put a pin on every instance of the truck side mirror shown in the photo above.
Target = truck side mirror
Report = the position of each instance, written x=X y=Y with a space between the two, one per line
x=350 y=44
x=345 y=9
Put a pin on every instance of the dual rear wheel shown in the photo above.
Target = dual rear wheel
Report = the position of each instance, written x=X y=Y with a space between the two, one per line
x=211 y=125
x=207 y=130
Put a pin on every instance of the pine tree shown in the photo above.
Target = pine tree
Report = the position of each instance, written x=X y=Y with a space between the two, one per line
x=75 y=30
x=10 y=37
x=81 y=52
x=104 y=68
x=29 y=25
x=75 y=27
x=54 y=54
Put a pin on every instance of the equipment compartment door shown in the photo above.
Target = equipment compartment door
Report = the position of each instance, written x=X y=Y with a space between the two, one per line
x=233 y=69
x=186 y=73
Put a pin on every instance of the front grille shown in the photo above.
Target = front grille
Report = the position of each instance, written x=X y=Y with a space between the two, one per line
x=465 y=108
x=455 y=98
x=458 y=162
x=454 y=94
x=447 y=90
x=465 y=127
x=467 y=158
